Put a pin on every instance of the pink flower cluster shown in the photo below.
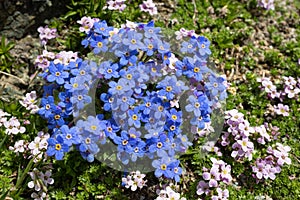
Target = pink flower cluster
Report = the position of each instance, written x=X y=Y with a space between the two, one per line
x=35 y=149
x=168 y=194
x=239 y=129
x=11 y=125
x=43 y=61
x=115 y=5
x=39 y=182
x=291 y=88
x=134 y=180
x=149 y=6
x=267 y=4
x=269 y=166
x=220 y=172
x=46 y=34
x=29 y=102
x=182 y=33
x=63 y=57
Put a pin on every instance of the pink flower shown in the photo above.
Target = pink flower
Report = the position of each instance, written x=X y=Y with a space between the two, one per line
x=282 y=154
x=46 y=34
x=203 y=188
x=245 y=128
x=268 y=85
x=289 y=81
x=115 y=5
x=291 y=91
x=149 y=6
x=267 y=4
x=86 y=24
x=13 y=126
x=222 y=194
x=263 y=134
x=225 y=172
x=281 y=109
x=245 y=144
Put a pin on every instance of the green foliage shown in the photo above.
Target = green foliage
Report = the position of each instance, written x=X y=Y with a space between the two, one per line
x=6 y=59
x=230 y=26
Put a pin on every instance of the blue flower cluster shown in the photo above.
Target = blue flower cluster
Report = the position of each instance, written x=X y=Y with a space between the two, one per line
x=138 y=90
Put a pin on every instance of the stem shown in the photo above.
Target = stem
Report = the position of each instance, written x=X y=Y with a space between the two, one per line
x=28 y=167
x=34 y=76
x=7 y=74
x=3 y=140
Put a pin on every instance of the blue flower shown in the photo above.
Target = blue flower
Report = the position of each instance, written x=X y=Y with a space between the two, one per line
x=193 y=106
x=151 y=32
x=111 y=128
x=175 y=170
x=79 y=100
x=138 y=150
x=88 y=143
x=70 y=135
x=159 y=111
x=189 y=47
x=94 y=126
x=108 y=100
x=74 y=84
x=48 y=106
x=170 y=86
x=174 y=116
x=150 y=46
x=99 y=45
x=65 y=102
x=102 y=28
x=203 y=45
x=118 y=88
x=56 y=119
x=201 y=120
x=183 y=66
x=123 y=101
x=133 y=40
x=163 y=47
x=216 y=86
x=57 y=147
x=161 y=166
x=134 y=117
x=57 y=74
x=183 y=142
x=109 y=70
x=159 y=144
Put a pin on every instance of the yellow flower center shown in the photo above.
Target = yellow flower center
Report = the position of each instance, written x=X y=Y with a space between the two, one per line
x=134 y=117
x=119 y=87
x=133 y=41
x=163 y=167
x=129 y=76
x=169 y=88
x=124 y=142
x=174 y=117
x=75 y=85
x=99 y=44
x=57 y=147
x=159 y=145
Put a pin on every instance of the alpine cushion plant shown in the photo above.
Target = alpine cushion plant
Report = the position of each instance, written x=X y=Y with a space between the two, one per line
x=142 y=111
